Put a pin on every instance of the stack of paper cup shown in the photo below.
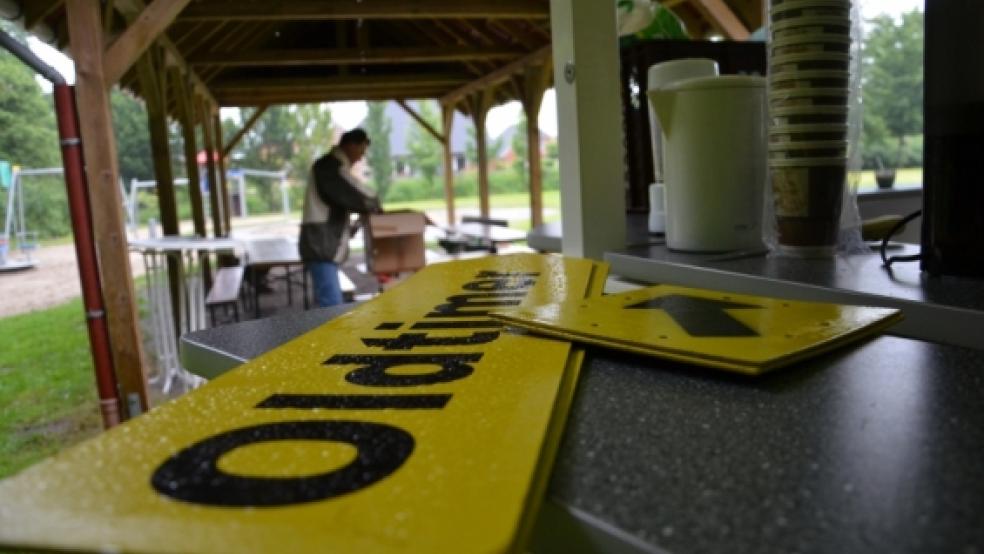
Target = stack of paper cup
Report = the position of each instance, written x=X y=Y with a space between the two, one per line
x=808 y=77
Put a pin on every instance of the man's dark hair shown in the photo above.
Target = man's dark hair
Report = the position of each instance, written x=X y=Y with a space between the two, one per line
x=355 y=136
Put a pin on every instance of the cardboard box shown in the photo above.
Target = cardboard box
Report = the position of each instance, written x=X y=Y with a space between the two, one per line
x=395 y=242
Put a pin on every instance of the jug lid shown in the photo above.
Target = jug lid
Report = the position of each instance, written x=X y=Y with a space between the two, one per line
x=719 y=81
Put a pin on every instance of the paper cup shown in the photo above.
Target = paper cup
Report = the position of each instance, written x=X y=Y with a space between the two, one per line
x=808 y=97
x=821 y=78
x=808 y=195
x=807 y=43
x=807 y=149
x=807 y=133
x=809 y=61
x=825 y=7
x=810 y=25
x=799 y=115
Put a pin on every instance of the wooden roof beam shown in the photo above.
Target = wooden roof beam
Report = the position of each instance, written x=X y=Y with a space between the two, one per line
x=722 y=17
x=351 y=56
x=500 y=75
x=128 y=47
x=131 y=9
x=259 y=98
x=234 y=140
x=346 y=82
x=36 y=11
x=313 y=10
x=421 y=121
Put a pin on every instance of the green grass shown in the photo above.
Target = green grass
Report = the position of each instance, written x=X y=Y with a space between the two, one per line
x=47 y=388
x=551 y=199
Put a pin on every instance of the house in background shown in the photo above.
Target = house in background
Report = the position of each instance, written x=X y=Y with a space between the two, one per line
x=507 y=137
x=400 y=125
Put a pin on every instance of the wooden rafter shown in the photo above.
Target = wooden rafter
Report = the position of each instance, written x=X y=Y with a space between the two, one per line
x=723 y=18
x=436 y=37
x=313 y=10
x=249 y=123
x=37 y=11
x=130 y=9
x=246 y=98
x=421 y=121
x=350 y=56
x=351 y=82
x=141 y=33
x=500 y=75
x=248 y=38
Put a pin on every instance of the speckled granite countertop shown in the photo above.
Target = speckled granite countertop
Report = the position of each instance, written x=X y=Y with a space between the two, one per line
x=875 y=448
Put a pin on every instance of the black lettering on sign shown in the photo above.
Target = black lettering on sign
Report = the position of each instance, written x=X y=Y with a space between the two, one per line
x=466 y=324
x=491 y=285
x=193 y=475
x=356 y=401
x=500 y=274
x=459 y=302
x=407 y=341
x=701 y=317
x=373 y=372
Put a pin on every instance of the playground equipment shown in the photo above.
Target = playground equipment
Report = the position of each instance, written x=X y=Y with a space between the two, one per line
x=15 y=224
x=239 y=175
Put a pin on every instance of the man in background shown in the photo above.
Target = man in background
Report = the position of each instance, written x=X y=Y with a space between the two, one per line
x=333 y=194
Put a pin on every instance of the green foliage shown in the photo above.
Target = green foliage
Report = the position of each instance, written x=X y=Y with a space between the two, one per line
x=379 y=158
x=892 y=88
x=132 y=137
x=493 y=146
x=520 y=148
x=425 y=150
x=504 y=181
x=47 y=388
x=285 y=137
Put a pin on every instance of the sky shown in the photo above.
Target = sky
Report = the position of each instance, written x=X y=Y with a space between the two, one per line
x=349 y=114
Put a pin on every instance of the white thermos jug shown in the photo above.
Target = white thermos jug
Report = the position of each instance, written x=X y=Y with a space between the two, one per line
x=714 y=161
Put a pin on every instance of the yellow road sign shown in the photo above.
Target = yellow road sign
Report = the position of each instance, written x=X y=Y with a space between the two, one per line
x=748 y=334
x=414 y=423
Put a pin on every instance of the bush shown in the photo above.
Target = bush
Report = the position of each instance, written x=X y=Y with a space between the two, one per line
x=888 y=152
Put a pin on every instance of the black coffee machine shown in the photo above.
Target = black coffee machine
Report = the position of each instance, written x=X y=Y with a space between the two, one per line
x=953 y=164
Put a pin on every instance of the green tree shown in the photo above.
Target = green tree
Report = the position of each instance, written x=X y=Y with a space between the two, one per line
x=312 y=137
x=492 y=146
x=378 y=156
x=132 y=136
x=425 y=150
x=892 y=85
x=520 y=148
x=29 y=139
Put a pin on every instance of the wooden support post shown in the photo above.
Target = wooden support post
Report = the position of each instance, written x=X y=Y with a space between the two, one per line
x=447 y=120
x=154 y=85
x=217 y=125
x=478 y=105
x=102 y=173
x=214 y=190
x=532 y=85
x=187 y=115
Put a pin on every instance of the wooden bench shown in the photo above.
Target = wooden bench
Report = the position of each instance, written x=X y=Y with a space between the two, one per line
x=225 y=291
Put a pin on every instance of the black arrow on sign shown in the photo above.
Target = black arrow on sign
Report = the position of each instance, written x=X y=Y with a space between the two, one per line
x=701 y=317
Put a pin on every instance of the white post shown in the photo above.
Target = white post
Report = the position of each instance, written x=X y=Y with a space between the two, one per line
x=131 y=206
x=242 y=195
x=285 y=195
x=589 y=126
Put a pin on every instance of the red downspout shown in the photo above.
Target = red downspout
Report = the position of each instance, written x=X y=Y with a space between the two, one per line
x=85 y=250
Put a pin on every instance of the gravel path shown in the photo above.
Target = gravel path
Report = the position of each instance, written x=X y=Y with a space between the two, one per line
x=53 y=281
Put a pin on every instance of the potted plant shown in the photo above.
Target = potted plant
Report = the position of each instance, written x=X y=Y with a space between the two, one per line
x=884 y=177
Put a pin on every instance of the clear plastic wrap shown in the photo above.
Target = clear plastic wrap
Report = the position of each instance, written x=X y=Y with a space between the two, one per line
x=849 y=239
